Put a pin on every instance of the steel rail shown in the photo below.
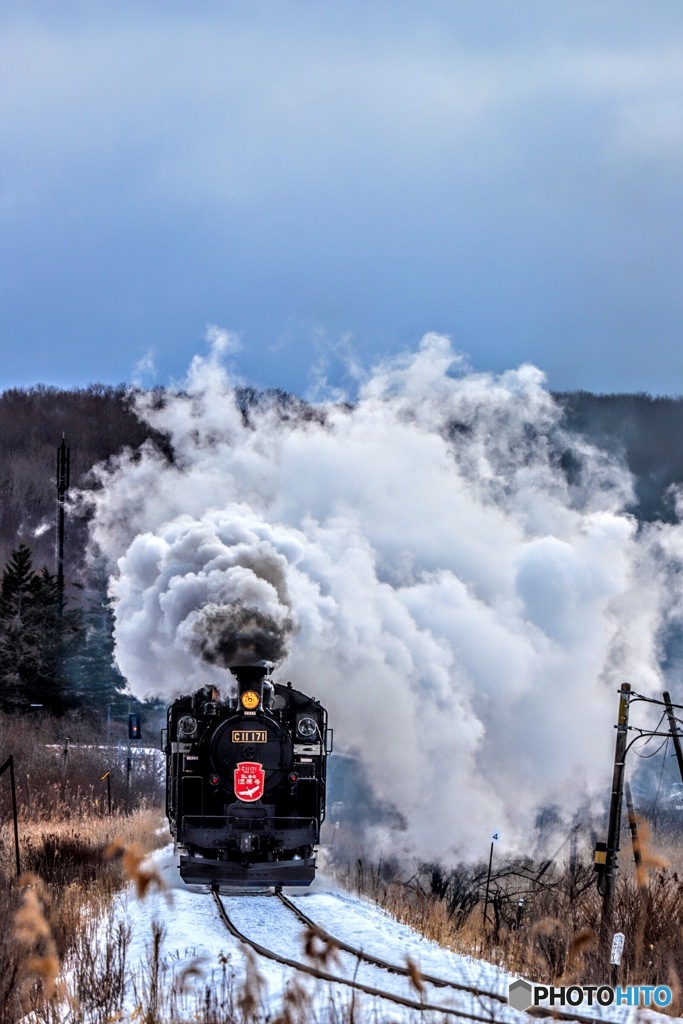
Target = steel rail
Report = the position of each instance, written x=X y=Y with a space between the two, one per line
x=377 y=961
x=316 y=972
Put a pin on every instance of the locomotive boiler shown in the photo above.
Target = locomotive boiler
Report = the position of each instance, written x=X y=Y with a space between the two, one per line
x=245 y=782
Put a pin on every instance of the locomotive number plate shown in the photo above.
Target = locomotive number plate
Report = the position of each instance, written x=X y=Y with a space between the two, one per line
x=249 y=736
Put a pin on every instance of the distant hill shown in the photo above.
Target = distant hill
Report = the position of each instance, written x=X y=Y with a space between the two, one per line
x=96 y=421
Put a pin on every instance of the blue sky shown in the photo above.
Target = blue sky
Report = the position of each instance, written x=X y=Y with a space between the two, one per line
x=331 y=180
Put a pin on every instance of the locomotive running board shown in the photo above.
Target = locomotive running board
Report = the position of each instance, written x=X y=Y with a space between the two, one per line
x=205 y=871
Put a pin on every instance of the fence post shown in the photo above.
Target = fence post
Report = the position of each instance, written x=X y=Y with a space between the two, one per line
x=65 y=761
x=107 y=776
x=9 y=763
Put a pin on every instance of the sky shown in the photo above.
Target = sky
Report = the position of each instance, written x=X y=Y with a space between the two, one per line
x=331 y=181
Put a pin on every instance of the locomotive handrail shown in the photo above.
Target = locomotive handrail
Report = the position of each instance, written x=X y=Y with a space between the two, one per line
x=301 y=821
x=219 y=828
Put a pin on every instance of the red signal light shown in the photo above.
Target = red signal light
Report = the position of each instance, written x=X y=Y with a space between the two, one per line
x=214 y=779
x=293 y=777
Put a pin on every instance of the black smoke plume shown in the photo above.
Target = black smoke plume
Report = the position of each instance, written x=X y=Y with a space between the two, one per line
x=239 y=634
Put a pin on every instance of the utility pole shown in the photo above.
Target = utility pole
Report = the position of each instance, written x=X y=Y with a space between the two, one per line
x=674 y=731
x=63 y=469
x=614 y=828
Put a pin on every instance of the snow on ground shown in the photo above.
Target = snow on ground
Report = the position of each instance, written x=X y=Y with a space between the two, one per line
x=197 y=951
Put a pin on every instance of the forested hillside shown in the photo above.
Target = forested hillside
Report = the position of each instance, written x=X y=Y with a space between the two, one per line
x=646 y=432
x=96 y=421
x=67 y=662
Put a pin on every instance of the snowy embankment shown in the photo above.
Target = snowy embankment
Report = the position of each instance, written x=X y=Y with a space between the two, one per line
x=195 y=952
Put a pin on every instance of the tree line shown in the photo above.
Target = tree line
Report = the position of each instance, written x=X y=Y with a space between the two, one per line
x=643 y=432
x=52 y=662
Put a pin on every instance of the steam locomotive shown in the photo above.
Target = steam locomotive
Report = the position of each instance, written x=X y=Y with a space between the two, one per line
x=245 y=782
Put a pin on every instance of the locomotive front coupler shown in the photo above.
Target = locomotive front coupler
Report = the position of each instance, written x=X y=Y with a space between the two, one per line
x=249 y=842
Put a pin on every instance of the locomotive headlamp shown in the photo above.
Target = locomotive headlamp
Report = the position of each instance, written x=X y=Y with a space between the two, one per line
x=307 y=727
x=187 y=725
x=250 y=699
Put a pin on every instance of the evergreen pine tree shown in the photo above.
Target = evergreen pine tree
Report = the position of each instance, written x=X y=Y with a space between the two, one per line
x=34 y=639
x=94 y=680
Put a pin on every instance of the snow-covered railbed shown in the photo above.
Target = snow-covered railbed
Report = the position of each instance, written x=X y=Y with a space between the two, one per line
x=267 y=922
x=198 y=954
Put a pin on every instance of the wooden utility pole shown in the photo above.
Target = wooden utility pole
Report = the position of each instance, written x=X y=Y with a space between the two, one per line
x=614 y=828
x=65 y=764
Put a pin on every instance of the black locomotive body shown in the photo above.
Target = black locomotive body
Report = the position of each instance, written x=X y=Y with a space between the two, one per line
x=245 y=782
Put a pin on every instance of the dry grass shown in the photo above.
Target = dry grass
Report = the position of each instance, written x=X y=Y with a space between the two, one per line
x=58 y=907
x=553 y=935
x=64 y=961
x=65 y=830
x=59 y=764
x=62 y=929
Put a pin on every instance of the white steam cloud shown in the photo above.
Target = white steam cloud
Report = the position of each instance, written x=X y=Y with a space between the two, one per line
x=446 y=569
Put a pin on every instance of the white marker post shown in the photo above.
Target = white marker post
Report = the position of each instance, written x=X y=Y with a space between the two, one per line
x=617 y=948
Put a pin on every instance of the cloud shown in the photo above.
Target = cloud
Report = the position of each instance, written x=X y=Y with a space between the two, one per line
x=505 y=175
x=256 y=107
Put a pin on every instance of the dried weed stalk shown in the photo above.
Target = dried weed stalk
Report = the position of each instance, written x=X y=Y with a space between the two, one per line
x=32 y=930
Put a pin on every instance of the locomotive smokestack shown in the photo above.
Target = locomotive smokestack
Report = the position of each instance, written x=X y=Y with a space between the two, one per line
x=250 y=677
x=252 y=673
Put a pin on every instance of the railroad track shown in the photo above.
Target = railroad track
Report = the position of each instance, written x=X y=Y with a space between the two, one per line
x=416 y=976
x=379 y=962
x=324 y=975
